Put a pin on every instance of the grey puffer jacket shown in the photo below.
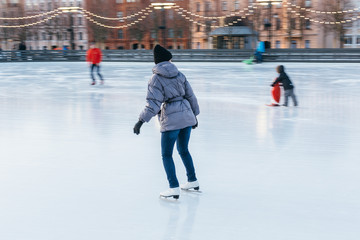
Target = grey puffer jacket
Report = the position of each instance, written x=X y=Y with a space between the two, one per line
x=170 y=92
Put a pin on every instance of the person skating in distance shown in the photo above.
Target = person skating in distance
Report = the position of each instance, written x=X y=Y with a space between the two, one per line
x=94 y=57
x=286 y=83
x=171 y=97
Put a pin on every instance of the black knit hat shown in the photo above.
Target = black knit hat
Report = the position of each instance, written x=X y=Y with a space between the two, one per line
x=161 y=54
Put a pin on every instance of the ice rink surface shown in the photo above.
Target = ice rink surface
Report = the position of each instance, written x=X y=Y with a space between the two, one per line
x=71 y=167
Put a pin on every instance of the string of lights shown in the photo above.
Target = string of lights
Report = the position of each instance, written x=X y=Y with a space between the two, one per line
x=121 y=26
x=321 y=12
x=220 y=17
x=181 y=13
x=141 y=12
x=352 y=19
x=29 y=24
x=34 y=16
x=330 y=22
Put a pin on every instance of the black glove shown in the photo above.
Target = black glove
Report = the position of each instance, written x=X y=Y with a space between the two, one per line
x=137 y=127
x=196 y=125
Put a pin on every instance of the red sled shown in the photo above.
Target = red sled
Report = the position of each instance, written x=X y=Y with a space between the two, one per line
x=276 y=94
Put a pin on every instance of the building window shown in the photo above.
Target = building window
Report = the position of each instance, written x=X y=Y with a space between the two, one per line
x=130 y=0
x=293 y=44
x=308 y=24
x=266 y=24
x=198 y=7
x=171 y=14
x=180 y=33
x=307 y=3
x=293 y=23
x=80 y=36
x=277 y=44
x=307 y=43
x=153 y=34
x=43 y=36
x=278 y=23
x=120 y=34
x=119 y=1
x=171 y=33
x=237 y=5
x=80 y=20
x=348 y=40
x=224 y=6
x=198 y=28
x=358 y=40
x=208 y=6
x=120 y=15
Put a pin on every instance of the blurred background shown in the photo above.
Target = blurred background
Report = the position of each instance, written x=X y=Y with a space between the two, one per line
x=178 y=24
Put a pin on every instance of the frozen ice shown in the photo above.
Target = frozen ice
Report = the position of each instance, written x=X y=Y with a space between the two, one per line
x=71 y=167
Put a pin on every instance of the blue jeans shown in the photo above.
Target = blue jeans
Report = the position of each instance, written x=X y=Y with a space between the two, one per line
x=168 y=139
x=93 y=66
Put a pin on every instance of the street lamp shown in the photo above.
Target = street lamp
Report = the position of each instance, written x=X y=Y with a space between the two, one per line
x=163 y=6
x=268 y=24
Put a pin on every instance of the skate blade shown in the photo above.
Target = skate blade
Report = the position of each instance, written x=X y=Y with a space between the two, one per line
x=172 y=196
x=195 y=189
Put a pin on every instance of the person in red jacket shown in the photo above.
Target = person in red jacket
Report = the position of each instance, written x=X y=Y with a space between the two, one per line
x=94 y=57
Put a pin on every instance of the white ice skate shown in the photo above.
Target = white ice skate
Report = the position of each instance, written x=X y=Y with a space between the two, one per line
x=171 y=192
x=190 y=186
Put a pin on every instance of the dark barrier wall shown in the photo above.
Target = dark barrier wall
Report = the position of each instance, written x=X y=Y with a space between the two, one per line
x=272 y=55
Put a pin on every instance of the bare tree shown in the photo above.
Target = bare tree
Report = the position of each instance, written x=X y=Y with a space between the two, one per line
x=137 y=31
x=180 y=28
x=337 y=6
x=102 y=8
x=304 y=24
x=256 y=21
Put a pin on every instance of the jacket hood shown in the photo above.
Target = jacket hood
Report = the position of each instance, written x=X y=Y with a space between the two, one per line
x=281 y=69
x=166 y=69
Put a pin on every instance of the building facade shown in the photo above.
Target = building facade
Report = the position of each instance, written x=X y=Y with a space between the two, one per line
x=66 y=31
x=289 y=26
x=352 y=30
x=203 y=36
x=196 y=24
x=10 y=38
x=268 y=21
x=160 y=26
x=296 y=25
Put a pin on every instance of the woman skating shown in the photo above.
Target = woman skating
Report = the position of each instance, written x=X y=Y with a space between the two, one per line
x=171 y=97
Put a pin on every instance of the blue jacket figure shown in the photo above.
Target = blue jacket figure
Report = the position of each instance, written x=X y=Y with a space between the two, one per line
x=258 y=56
